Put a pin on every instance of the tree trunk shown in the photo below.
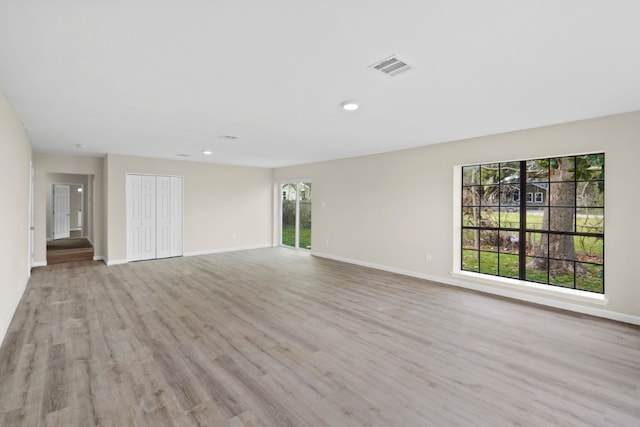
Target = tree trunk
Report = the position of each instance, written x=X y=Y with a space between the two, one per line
x=559 y=247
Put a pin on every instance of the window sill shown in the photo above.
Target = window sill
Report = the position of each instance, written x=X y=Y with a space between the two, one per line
x=520 y=286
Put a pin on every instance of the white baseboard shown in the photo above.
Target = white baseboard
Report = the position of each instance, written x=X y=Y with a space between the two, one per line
x=593 y=311
x=98 y=258
x=39 y=264
x=7 y=321
x=223 y=250
x=115 y=261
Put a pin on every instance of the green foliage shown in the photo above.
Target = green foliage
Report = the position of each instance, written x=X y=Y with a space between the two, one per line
x=506 y=265
x=289 y=237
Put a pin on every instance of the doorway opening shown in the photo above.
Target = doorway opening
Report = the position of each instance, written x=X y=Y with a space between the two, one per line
x=69 y=218
x=295 y=212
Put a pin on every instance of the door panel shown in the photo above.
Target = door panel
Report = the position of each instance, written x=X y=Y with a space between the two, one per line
x=176 y=216
x=134 y=222
x=148 y=217
x=60 y=211
x=163 y=217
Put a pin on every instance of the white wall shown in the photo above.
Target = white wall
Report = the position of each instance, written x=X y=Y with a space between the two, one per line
x=15 y=156
x=225 y=207
x=52 y=165
x=391 y=210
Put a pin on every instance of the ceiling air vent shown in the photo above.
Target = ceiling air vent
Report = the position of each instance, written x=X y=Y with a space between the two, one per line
x=392 y=66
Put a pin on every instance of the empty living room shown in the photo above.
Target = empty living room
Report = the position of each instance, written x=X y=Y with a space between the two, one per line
x=319 y=214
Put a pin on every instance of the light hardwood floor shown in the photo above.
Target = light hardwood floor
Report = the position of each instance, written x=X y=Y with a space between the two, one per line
x=276 y=337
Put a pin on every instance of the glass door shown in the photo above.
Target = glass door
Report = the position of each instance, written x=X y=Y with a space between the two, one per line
x=296 y=214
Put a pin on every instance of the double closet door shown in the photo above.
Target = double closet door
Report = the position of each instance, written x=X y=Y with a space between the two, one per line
x=154 y=217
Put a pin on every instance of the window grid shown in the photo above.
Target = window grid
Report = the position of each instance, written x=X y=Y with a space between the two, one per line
x=556 y=238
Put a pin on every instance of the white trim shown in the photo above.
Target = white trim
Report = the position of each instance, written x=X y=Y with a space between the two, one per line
x=7 y=322
x=98 y=258
x=516 y=285
x=223 y=250
x=116 y=261
x=509 y=293
x=39 y=264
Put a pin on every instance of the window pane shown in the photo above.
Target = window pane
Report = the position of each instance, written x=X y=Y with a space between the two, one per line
x=471 y=196
x=561 y=273
x=590 y=220
x=590 y=193
x=536 y=270
x=471 y=175
x=470 y=260
x=489 y=263
x=561 y=219
x=508 y=266
x=510 y=217
x=538 y=170
x=489 y=240
x=537 y=244
x=490 y=195
x=562 y=194
x=537 y=218
x=489 y=217
x=489 y=173
x=590 y=277
x=590 y=166
x=509 y=172
x=470 y=239
x=589 y=249
x=509 y=195
x=561 y=169
x=471 y=217
x=562 y=247
x=289 y=196
x=305 y=216
x=509 y=242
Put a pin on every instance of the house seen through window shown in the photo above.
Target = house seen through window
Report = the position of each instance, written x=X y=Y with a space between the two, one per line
x=554 y=235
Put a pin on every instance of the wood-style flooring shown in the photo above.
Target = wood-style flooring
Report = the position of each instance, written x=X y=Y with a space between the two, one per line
x=69 y=250
x=276 y=337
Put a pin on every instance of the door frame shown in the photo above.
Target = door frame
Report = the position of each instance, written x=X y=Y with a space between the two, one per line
x=82 y=207
x=297 y=182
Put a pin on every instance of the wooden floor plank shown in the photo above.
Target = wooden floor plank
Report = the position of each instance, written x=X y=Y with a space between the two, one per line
x=276 y=337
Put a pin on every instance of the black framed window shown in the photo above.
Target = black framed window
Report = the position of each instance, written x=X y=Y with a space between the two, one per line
x=555 y=238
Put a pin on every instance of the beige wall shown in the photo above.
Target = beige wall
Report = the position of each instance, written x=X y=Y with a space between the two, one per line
x=15 y=159
x=51 y=165
x=392 y=210
x=225 y=207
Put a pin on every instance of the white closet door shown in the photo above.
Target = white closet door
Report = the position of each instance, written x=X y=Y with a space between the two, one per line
x=134 y=220
x=176 y=216
x=163 y=217
x=148 y=217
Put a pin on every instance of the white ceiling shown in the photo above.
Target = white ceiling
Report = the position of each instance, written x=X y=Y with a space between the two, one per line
x=161 y=77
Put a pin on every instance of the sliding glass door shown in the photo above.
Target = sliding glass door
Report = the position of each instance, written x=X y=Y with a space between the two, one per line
x=296 y=214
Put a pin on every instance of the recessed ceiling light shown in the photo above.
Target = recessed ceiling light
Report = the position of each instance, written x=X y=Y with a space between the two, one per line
x=81 y=146
x=350 y=106
x=207 y=152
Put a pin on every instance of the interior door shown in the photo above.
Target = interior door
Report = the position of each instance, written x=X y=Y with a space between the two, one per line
x=61 y=211
x=163 y=216
x=176 y=216
x=134 y=229
x=148 y=216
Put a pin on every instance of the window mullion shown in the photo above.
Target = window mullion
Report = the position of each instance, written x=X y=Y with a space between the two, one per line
x=522 y=233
